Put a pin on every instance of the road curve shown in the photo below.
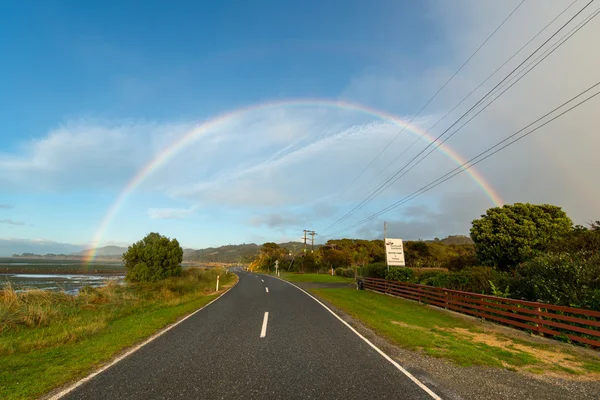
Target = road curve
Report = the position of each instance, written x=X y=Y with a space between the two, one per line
x=233 y=349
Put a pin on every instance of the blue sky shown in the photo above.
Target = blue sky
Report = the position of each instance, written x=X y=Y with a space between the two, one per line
x=93 y=91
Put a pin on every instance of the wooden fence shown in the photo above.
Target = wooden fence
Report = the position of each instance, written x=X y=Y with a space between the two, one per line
x=578 y=324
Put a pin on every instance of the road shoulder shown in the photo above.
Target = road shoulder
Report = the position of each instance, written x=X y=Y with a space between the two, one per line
x=452 y=381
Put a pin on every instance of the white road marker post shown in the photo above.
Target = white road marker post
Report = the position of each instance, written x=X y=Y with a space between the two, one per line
x=217 y=283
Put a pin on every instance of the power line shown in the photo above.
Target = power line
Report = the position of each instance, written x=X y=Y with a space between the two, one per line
x=474 y=90
x=385 y=184
x=533 y=64
x=432 y=98
x=485 y=154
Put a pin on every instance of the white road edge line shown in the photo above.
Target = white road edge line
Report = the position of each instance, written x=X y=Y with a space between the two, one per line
x=263 y=330
x=267 y=289
x=132 y=350
x=377 y=349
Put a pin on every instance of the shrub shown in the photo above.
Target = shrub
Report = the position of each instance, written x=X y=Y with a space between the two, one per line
x=348 y=272
x=434 y=278
x=400 y=274
x=464 y=257
x=153 y=258
x=345 y=272
x=472 y=279
x=563 y=279
x=375 y=270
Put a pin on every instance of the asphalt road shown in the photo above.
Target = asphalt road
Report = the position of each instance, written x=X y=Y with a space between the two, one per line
x=218 y=353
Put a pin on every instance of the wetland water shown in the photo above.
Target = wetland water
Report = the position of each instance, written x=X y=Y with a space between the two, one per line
x=57 y=275
x=70 y=283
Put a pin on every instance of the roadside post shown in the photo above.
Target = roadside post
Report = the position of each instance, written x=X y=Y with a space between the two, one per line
x=277 y=267
x=217 y=283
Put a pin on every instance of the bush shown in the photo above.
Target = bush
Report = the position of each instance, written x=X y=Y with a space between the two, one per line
x=345 y=272
x=400 y=274
x=434 y=278
x=375 y=270
x=473 y=279
x=153 y=258
x=464 y=257
x=563 y=279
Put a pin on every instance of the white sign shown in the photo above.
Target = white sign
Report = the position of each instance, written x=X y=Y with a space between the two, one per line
x=394 y=252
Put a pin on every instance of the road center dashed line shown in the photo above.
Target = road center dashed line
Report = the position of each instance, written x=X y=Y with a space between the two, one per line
x=267 y=289
x=377 y=349
x=263 y=331
x=262 y=281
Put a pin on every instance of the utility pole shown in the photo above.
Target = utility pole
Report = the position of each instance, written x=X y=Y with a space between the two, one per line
x=384 y=245
x=312 y=241
x=305 y=240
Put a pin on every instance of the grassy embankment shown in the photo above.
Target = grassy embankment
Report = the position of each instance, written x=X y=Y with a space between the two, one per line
x=466 y=342
x=48 y=339
x=317 y=278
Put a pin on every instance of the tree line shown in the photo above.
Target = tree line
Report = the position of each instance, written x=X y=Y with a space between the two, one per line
x=524 y=251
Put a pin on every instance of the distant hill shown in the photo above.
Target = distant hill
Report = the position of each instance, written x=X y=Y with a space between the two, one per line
x=106 y=251
x=9 y=247
x=226 y=254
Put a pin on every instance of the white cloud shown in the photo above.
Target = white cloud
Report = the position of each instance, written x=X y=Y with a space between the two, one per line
x=85 y=154
x=170 y=213
x=9 y=221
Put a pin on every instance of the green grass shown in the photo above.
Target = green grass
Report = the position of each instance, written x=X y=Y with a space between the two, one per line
x=319 y=278
x=440 y=334
x=49 y=339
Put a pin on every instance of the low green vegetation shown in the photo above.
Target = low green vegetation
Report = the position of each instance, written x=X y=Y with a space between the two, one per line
x=50 y=338
x=317 y=278
x=466 y=342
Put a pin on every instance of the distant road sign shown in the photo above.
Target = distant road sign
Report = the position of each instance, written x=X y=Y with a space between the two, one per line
x=394 y=252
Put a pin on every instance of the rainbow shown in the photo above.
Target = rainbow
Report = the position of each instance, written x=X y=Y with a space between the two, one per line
x=201 y=129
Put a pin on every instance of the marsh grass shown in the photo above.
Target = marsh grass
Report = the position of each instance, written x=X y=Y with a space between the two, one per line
x=48 y=338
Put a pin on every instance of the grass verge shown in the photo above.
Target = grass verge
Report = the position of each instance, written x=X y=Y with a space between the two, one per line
x=466 y=342
x=317 y=278
x=48 y=339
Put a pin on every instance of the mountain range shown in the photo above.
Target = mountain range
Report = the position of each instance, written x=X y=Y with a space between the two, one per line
x=229 y=253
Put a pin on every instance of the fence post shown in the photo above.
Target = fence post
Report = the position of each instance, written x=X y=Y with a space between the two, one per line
x=446 y=299
x=542 y=318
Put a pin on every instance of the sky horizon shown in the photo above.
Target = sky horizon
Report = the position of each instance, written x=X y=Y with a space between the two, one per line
x=239 y=122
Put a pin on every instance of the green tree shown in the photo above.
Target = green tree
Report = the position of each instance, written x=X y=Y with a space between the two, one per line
x=334 y=258
x=581 y=239
x=269 y=253
x=506 y=236
x=153 y=258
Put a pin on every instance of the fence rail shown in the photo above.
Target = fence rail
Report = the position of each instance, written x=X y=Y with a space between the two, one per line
x=578 y=324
